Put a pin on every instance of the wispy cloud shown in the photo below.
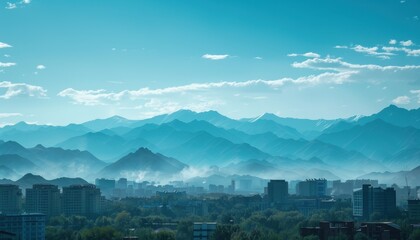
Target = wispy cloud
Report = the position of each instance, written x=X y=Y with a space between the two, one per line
x=14 y=5
x=10 y=5
x=215 y=56
x=408 y=51
x=386 y=52
x=4 y=45
x=337 y=64
x=416 y=92
x=7 y=115
x=90 y=97
x=372 y=51
x=258 y=58
x=401 y=100
x=341 y=47
x=308 y=55
x=16 y=89
x=406 y=43
x=40 y=67
x=7 y=64
x=102 y=97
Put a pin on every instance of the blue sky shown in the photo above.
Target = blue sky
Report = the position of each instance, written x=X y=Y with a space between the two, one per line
x=67 y=61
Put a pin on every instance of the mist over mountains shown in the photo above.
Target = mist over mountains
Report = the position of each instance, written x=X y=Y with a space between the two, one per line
x=186 y=144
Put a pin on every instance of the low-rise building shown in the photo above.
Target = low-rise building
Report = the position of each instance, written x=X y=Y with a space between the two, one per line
x=381 y=230
x=203 y=230
x=23 y=226
x=328 y=230
x=414 y=210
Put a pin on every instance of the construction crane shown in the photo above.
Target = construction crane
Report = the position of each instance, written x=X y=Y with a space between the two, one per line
x=408 y=188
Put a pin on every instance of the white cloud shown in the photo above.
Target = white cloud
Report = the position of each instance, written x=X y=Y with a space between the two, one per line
x=406 y=43
x=10 y=5
x=258 y=58
x=341 y=47
x=103 y=97
x=215 y=56
x=410 y=52
x=16 y=89
x=415 y=53
x=40 y=67
x=338 y=65
x=7 y=115
x=417 y=92
x=372 y=51
x=7 y=64
x=89 y=97
x=308 y=55
x=401 y=100
x=4 y=45
x=392 y=41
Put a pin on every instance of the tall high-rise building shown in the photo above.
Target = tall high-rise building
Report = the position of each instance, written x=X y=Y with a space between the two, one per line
x=277 y=191
x=10 y=199
x=43 y=198
x=368 y=200
x=121 y=183
x=107 y=186
x=414 y=210
x=24 y=226
x=312 y=188
x=82 y=200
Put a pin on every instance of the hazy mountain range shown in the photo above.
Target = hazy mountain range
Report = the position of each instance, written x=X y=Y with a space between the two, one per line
x=187 y=142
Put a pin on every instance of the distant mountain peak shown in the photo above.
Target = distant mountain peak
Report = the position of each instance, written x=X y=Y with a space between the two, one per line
x=12 y=145
x=392 y=108
x=183 y=111
x=40 y=146
x=31 y=177
x=117 y=117
x=143 y=150
x=144 y=160
x=265 y=116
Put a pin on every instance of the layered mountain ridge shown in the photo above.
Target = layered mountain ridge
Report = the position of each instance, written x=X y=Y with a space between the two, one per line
x=171 y=143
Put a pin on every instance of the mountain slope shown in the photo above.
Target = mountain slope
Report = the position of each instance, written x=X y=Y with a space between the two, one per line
x=143 y=161
x=17 y=163
x=412 y=176
x=108 y=123
x=6 y=172
x=264 y=126
x=30 y=179
x=71 y=163
x=104 y=146
x=31 y=135
x=302 y=125
x=396 y=116
x=377 y=139
x=205 y=149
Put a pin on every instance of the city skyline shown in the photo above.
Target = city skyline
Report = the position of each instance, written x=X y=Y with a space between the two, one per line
x=70 y=62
